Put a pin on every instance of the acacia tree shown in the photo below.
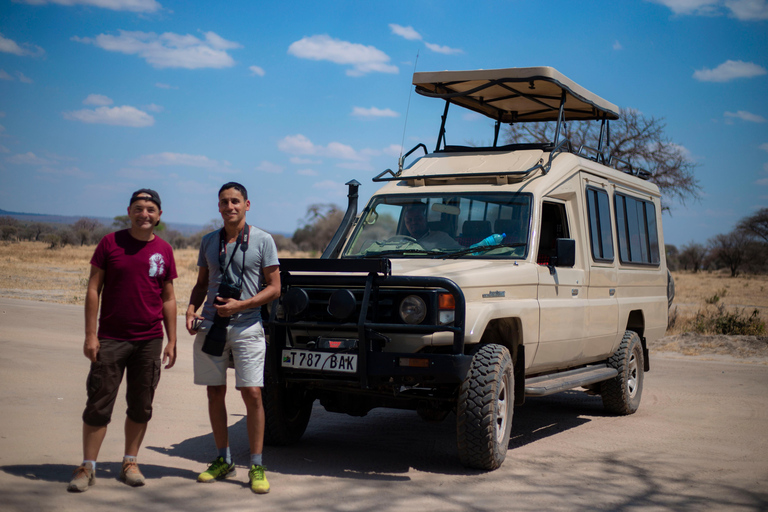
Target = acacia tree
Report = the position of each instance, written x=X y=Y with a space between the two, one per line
x=634 y=138
x=756 y=225
x=730 y=250
x=692 y=256
x=321 y=223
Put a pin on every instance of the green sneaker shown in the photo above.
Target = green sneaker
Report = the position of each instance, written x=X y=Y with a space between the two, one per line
x=259 y=483
x=217 y=470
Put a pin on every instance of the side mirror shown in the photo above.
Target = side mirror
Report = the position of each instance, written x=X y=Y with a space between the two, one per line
x=565 y=255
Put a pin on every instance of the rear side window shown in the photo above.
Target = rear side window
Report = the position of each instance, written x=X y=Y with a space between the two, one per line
x=636 y=231
x=600 y=233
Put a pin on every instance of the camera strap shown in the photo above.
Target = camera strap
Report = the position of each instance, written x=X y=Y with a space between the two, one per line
x=241 y=241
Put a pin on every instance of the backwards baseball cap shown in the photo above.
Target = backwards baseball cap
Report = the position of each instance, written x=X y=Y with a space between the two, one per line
x=143 y=193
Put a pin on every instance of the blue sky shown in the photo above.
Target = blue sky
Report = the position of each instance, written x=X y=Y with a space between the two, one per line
x=293 y=99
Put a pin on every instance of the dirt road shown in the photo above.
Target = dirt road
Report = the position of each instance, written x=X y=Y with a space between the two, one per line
x=698 y=443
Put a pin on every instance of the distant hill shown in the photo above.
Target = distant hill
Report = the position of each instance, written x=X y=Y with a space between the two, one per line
x=184 y=229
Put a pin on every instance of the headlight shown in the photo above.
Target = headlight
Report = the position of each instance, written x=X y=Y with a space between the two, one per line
x=413 y=310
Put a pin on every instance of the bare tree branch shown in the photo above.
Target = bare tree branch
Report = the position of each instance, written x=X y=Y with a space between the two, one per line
x=635 y=138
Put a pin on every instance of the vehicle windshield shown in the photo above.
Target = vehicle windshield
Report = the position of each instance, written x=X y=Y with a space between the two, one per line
x=472 y=225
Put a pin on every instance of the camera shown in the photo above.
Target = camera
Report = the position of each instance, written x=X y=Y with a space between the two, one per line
x=227 y=290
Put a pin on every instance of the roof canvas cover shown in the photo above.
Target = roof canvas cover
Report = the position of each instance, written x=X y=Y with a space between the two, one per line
x=515 y=95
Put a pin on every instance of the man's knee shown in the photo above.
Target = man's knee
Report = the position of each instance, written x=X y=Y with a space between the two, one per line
x=251 y=396
x=216 y=393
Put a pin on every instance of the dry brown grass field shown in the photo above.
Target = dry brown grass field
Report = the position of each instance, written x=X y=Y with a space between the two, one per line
x=30 y=270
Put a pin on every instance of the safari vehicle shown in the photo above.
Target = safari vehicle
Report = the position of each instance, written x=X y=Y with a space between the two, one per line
x=547 y=273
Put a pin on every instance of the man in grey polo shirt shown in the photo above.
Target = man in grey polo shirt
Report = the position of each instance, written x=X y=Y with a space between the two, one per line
x=238 y=272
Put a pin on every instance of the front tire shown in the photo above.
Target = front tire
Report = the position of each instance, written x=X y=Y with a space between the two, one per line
x=485 y=408
x=287 y=412
x=621 y=394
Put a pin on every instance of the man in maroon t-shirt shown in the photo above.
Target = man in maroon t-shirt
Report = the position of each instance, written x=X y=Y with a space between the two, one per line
x=133 y=271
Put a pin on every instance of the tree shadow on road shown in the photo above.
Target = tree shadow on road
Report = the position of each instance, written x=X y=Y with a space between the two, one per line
x=388 y=443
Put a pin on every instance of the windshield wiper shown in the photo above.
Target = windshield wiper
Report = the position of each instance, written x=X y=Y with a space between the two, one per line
x=482 y=248
x=393 y=252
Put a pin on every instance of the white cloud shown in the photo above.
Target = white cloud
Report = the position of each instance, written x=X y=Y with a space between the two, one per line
x=745 y=116
x=447 y=50
x=743 y=10
x=748 y=10
x=153 y=108
x=23 y=78
x=334 y=188
x=763 y=181
x=764 y=146
x=181 y=159
x=97 y=99
x=116 y=116
x=4 y=149
x=373 y=112
x=405 y=32
x=256 y=70
x=4 y=75
x=67 y=172
x=393 y=150
x=115 y=5
x=28 y=159
x=22 y=50
x=160 y=85
x=729 y=70
x=304 y=161
x=307 y=172
x=363 y=59
x=617 y=45
x=169 y=50
x=269 y=167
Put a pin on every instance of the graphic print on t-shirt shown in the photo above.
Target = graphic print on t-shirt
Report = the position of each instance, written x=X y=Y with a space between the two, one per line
x=156 y=265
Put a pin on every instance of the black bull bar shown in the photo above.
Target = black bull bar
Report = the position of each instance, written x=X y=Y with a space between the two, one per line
x=368 y=275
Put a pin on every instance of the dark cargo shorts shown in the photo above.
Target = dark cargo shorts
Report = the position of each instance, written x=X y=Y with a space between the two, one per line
x=140 y=360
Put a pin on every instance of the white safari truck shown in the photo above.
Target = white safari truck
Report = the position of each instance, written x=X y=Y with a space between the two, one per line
x=478 y=276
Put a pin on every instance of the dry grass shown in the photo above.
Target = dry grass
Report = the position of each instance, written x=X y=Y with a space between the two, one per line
x=32 y=271
x=29 y=270
x=704 y=293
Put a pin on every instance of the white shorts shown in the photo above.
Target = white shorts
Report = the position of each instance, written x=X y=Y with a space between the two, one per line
x=248 y=346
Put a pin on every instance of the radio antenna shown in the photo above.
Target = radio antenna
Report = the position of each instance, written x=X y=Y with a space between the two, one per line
x=407 y=109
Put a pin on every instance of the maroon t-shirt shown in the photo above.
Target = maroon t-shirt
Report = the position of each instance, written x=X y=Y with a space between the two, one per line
x=134 y=273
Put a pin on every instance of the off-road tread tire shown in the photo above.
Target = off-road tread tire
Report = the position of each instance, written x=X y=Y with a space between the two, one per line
x=615 y=391
x=286 y=414
x=476 y=409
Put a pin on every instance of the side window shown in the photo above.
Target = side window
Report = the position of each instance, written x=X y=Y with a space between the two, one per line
x=554 y=225
x=600 y=233
x=636 y=231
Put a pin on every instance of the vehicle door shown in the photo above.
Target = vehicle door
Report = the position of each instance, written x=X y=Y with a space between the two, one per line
x=602 y=301
x=562 y=301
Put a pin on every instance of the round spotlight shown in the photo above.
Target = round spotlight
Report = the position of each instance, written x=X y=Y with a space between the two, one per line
x=295 y=301
x=413 y=310
x=341 y=304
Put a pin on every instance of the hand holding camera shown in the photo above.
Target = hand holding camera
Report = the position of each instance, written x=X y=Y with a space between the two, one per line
x=227 y=299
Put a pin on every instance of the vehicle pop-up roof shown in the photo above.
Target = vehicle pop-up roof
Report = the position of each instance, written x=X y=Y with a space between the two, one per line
x=519 y=95
x=515 y=95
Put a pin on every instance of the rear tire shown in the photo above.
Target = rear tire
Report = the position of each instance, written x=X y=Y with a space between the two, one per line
x=621 y=394
x=485 y=408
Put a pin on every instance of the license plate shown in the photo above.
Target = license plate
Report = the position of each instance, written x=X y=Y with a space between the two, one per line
x=319 y=361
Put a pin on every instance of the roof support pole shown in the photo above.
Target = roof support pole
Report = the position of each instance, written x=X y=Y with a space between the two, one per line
x=441 y=135
x=559 y=118
x=496 y=132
